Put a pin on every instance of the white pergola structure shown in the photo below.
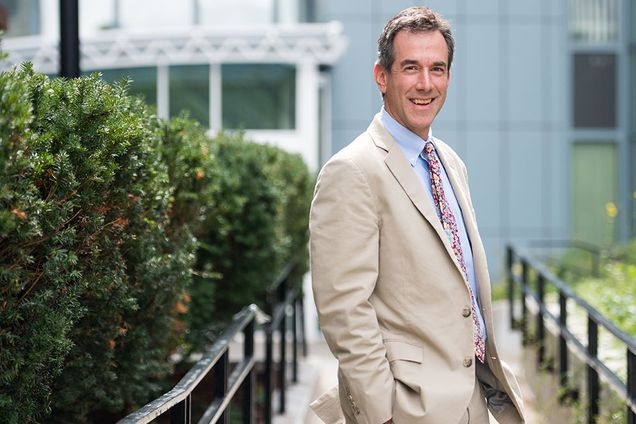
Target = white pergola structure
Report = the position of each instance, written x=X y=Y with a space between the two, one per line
x=307 y=46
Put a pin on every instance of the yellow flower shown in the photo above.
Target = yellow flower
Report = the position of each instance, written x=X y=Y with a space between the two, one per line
x=611 y=209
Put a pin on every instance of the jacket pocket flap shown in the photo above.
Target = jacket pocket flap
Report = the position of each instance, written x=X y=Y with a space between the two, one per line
x=403 y=351
x=327 y=407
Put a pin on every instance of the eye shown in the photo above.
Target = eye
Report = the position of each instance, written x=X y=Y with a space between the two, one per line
x=439 y=70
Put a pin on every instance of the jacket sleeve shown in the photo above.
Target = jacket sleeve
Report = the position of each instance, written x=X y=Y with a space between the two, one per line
x=344 y=242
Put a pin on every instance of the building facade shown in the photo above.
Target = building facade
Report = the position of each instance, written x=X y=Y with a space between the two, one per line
x=260 y=66
x=538 y=108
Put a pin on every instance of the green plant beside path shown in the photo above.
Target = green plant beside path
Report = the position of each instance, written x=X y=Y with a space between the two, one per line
x=106 y=214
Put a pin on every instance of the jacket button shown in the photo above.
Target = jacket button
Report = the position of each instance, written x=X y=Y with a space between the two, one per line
x=468 y=362
x=466 y=312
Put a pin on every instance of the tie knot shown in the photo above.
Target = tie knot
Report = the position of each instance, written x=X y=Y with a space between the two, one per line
x=429 y=148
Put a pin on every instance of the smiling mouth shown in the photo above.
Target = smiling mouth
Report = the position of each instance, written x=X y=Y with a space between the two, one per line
x=422 y=102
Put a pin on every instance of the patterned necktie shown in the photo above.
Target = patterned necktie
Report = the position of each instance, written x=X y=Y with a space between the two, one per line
x=450 y=226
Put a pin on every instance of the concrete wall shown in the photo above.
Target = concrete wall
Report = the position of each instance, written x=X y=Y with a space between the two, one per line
x=506 y=113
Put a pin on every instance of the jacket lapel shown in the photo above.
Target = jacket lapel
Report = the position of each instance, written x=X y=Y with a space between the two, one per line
x=408 y=180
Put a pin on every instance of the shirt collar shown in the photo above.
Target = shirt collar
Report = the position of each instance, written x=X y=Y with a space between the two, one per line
x=410 y=143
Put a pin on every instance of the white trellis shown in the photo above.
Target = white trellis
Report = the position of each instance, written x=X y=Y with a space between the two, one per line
x=320 y=43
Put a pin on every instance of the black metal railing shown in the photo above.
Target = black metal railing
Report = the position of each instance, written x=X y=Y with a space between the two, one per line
x=242 y=377
x=533 y=279
x=178 y=401
x=282 y=300
x=592 y=250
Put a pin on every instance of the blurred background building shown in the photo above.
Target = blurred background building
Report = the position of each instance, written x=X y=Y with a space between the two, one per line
x=256 y=65
x=541 y=108
x=542 y=104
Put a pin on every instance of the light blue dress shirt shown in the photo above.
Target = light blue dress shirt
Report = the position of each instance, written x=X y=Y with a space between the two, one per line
x=412 y=145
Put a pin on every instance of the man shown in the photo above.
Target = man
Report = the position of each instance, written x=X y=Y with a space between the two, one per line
x=399 y=270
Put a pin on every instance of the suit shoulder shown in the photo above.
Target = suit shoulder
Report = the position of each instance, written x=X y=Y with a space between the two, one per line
x=356 y=154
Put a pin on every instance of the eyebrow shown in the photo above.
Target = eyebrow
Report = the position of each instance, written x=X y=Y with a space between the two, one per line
x=406 y=62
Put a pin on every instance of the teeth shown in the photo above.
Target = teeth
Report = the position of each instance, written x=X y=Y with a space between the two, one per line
x=422 y=101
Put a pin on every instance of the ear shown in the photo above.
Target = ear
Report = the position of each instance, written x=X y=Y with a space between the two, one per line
x=380 y=76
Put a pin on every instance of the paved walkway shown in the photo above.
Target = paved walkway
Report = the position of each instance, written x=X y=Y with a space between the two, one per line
x=317 y=374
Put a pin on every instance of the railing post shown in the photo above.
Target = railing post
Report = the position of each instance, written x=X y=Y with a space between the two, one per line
x=563 y=348
x=511 y=287
x=221 y=371
x=181 y=413
x=631 y=385
x=282 y=367
x=303 y=337
x=540 y=324
x=249 y=386
x=268 y=373
x=524 y=304
x=69 y=39
x=295 y=340
x=592 y=375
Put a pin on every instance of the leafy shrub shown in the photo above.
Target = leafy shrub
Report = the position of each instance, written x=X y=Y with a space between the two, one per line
x=88 y=273
x=100 y=203
x=608 y=282
x=613 y=294
x=193 y=172
x=257 y=223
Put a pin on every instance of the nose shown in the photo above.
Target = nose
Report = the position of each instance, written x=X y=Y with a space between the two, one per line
x=424 y=82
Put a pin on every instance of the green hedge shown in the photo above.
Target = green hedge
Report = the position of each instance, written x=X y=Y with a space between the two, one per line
x=607 y=282
x=101 y=204
x=248 y=236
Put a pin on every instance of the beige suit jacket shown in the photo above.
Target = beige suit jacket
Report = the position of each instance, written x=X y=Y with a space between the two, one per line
x=390 y=294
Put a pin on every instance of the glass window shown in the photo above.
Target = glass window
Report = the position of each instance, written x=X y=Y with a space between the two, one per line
x=152 y=14
x=143 y=81
x=594 y=90
x=595 y=192
x=244 y=12
x=259 y=96
x=20 y=17
x=594 y=21
x=632 y=9
x=190 y=90
x=95 y=16
x=632 y=93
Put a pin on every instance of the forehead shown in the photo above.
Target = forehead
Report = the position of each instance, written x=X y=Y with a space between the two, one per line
x=421 y=46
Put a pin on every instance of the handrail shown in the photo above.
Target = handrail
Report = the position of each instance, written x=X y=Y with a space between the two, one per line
x=590 y=248
x=571 y=294
x=282 y=277
x=595 y=367
x=279 y=299
x=215 y=360
x=578 y=244
x=244 y=320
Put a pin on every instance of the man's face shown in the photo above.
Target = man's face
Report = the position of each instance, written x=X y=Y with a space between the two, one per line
x=415 y=87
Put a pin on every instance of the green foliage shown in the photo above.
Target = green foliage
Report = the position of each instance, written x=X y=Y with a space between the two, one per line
x=611 y=288
x=574 y=264
x=255 y=224
x=89 y=273
x=614 y=294
x=100 y=203
x=499 y=291
x=193 y=172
